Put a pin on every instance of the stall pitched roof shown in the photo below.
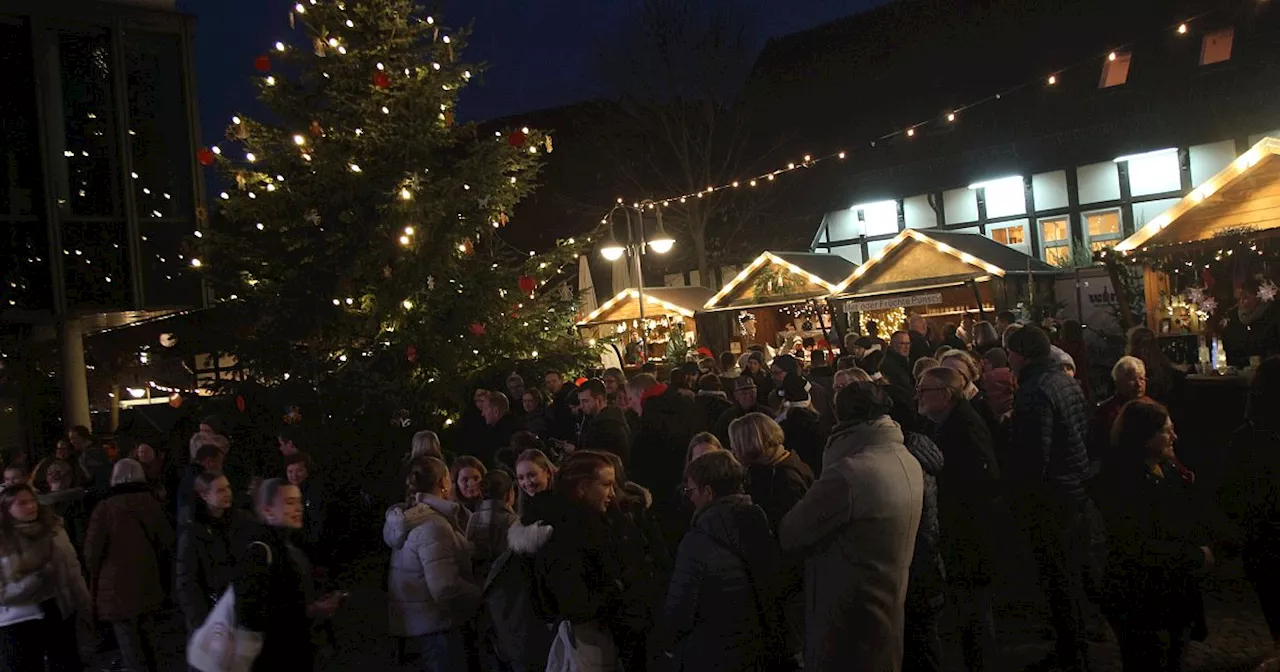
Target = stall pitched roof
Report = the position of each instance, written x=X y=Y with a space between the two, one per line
x=817 y=274
x=1243 y=196
x=683 y=301
x=922 y=260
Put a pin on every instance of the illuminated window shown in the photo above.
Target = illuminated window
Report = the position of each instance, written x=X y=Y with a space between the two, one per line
x=1009 y=235
x=1115 y=70
x=1104 y=223
x=1102 y=228
x=1216 y=47
x=1058 y=255
x=1055 y=239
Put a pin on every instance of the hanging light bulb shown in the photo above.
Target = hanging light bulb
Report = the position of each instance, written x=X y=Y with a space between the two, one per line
x=405 y=194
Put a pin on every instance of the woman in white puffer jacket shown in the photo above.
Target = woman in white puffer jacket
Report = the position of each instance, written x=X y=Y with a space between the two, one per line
x=432 y=590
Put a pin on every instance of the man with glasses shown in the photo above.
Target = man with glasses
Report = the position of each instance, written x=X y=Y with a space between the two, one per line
x=967 y=508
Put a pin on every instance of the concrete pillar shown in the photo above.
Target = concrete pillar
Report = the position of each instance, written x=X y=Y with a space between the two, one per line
x=75 y=386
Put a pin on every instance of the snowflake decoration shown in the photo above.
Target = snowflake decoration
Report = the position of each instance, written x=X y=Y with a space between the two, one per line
x=1195 y=295
x=1209 y=305
x=1267 y=291
x=431 y=282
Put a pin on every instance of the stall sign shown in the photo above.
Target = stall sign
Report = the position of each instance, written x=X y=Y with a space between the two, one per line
x=893 y=302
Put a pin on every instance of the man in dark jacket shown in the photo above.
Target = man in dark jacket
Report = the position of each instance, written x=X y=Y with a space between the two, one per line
x=604 y=427
x=800 y=423
x=968 y=488
x=668 y=421
x=501 y=423
x=918 y=331
x=744 y=402
x=1048 y=466
x=208 y=457
x=895 y=368
x=727 y=560
x=563 y=423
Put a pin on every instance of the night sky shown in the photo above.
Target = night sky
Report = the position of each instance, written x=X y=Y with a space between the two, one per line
x=541 y=53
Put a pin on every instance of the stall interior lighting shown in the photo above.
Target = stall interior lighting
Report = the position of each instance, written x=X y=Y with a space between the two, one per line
x=1235 y=170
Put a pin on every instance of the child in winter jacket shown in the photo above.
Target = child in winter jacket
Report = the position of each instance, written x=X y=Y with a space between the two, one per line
x=487 y=529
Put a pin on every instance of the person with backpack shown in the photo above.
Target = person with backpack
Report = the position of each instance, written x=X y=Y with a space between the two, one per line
x=515 y=634
x=432 y=588
x=723 y=606
x=487 y=529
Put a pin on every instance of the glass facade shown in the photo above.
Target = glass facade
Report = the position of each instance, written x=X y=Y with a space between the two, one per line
x=98 y=202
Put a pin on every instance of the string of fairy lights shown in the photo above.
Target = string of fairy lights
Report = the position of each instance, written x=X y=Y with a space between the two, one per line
x=1182 y=29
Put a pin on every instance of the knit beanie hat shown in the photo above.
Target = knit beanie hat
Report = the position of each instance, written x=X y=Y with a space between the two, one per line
x=1030 y=342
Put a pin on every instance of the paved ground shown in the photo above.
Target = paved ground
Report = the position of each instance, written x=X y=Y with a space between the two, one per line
x=1238 y=638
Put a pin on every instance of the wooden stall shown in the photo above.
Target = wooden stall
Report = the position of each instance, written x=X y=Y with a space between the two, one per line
x=779 y=298
x=664 y=321
x=943 y=275
x=1211 y=255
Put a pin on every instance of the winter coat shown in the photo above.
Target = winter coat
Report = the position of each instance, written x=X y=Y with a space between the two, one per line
x=539 y=422
x=920 y=347
x=804 y=436
x=186 y=494
x=857 y=528
x=1154 y=538
x=1104 y=418
x=927 y=585
x=206 y=561
x=1048 y=463
x=968 y=496
x=713 y=614
x=273 y=590
x=127 y=553
x=777 y=488
x=577 y=571
x=606 y=431
x=58 y=579
x=711 y=405
x=69 y=505
x=432 y=587
x=667 y=424
x=896 y=371
x=314 y=514
x=563 y=423
x=496 y=437
x=1260 y=337
x=512 y=622
x=487 y=533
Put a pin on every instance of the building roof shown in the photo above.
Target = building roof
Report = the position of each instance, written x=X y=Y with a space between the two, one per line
x=1244 y=197
x=777 y=278
x=916 y=260
x=658 y=301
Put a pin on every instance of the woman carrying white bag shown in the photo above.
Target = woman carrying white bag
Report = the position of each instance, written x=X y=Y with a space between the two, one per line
x=272 y=597
x=577 y=570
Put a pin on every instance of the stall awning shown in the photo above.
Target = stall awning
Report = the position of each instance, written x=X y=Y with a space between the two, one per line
x=918 y=260
x=1243 y=198
x=777 y=278
x=658 y=302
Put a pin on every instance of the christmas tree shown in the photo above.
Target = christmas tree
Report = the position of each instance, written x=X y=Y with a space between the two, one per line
x=361 y=243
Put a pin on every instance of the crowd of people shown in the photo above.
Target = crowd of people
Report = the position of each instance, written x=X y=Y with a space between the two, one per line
x=747 y=512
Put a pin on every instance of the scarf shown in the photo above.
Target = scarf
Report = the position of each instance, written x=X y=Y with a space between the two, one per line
x=31 y=548
x=788 y=405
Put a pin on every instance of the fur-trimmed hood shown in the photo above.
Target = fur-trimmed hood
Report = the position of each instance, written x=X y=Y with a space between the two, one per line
x=527 y=540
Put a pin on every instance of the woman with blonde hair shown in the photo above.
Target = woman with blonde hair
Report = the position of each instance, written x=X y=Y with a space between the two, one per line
x=777 y=478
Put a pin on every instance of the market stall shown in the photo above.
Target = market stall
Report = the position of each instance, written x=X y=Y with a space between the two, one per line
x=657 y=319
x=779 y=298
x=1209 y=266
x=944 y=275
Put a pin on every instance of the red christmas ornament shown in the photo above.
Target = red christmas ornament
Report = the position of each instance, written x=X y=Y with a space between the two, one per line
x=381 y=80
x=411 y=353
x=527 y=284
x=262 y=64
x=240 y=403
x=477 y=329
x=206 y=157
x=516 y=139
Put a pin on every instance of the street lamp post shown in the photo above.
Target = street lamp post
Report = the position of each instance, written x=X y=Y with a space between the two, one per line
x=637 y=245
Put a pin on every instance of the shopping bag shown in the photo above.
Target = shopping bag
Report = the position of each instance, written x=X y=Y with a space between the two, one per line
x=585 y=647
x=218 y=645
